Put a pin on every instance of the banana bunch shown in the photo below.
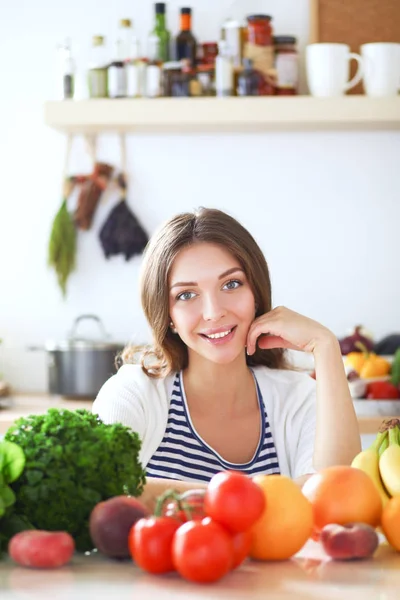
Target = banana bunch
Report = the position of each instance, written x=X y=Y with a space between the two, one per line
x=381 y=461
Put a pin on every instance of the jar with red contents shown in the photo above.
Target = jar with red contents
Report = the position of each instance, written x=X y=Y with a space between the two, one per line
x=210 y=51
x=286 y=65
x=259 y=48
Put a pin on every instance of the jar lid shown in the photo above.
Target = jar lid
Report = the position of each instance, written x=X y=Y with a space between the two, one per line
x=259 y=18
x=285 y=39
x=186 y=11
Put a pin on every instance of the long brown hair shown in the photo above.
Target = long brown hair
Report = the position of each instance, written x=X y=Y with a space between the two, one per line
x=168 y=353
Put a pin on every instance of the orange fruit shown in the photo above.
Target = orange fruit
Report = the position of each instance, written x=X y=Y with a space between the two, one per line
x=343 y=495
x=286 y=523
x=390 y=522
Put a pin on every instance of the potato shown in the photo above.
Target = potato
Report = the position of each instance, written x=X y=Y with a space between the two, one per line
x=41 y=549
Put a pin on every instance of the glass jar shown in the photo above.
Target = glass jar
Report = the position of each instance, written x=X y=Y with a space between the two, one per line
x=259 y=48
x=286 y=65
x=98 y=69
x=259 y=30
x=248 y=80
x=210 y=51
x=206 y=77
x=194 y=85
x=175 y=82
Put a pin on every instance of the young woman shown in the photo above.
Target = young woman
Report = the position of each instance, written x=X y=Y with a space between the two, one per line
x=215 y=391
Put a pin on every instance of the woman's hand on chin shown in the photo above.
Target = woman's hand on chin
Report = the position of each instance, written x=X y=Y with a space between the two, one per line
x=285 y=328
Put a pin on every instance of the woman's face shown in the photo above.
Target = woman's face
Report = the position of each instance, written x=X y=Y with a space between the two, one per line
x=211 y=303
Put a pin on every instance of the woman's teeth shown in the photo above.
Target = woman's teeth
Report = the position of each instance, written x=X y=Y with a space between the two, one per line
x=215 y=336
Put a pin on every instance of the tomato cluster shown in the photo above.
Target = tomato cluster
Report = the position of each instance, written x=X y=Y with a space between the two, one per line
x=202 y=534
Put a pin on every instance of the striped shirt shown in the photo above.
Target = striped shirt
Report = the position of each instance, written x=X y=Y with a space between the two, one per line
x=184 y=455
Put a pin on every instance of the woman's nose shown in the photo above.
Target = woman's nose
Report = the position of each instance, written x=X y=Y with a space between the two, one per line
x=213 y=309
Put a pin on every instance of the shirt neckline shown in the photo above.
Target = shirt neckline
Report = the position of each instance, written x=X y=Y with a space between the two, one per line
x=197 y=436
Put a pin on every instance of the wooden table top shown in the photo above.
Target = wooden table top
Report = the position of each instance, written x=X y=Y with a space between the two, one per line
x=309 y=575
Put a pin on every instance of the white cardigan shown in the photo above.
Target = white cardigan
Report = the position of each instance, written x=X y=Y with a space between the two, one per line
x=132 y=398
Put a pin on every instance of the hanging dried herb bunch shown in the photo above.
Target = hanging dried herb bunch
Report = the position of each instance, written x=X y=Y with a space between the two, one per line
x=62 y=243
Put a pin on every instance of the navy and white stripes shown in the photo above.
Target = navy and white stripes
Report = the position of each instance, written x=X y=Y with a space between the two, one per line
x=183 y=455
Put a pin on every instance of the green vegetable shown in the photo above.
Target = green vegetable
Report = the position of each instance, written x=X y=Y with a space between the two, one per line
x=395 y=370
x=12 y=462
x=73 y=461
x=62 y=246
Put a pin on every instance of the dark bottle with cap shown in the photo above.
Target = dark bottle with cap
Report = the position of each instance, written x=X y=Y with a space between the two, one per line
x=186 y=44
x=161 y=32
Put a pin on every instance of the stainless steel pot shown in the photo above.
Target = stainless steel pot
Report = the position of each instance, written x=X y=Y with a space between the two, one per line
x=78 y=366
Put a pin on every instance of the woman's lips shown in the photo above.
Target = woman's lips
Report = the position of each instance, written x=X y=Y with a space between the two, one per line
x=216 y=341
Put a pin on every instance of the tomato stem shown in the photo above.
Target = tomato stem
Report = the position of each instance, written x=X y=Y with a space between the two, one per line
x=161 y=500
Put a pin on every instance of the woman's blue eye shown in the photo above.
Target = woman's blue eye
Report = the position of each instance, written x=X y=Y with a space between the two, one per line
x=233 y=285
x=185 y=296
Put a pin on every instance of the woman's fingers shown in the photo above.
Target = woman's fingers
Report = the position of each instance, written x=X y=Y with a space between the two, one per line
x=266 y=342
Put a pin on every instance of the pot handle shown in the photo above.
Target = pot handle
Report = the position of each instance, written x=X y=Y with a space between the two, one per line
x=99 y=322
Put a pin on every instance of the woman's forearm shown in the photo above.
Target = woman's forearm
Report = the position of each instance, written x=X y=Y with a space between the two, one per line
x=155 y=487
x=338 y=437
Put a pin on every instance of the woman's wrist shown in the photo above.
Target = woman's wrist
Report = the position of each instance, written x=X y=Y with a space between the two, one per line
x=327 y=347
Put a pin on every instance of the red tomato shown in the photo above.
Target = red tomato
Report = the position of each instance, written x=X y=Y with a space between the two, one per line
x=234 y=500
x=150 y=543
x=202 y=551
x=241 y=547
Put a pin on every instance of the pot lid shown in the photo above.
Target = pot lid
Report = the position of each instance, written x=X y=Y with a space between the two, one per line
x=80 y=342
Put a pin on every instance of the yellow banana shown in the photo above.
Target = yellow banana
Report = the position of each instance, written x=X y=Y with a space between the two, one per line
x=389 y=464
x=368 y=461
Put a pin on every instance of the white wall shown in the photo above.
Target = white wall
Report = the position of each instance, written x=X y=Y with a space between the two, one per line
x=325 y=207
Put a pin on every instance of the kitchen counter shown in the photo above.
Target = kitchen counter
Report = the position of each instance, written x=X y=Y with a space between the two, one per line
x=22 y=405
x=370 y=413
x=310 y=574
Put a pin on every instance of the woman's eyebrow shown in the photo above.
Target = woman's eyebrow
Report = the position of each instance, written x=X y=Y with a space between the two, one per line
x=194 y=283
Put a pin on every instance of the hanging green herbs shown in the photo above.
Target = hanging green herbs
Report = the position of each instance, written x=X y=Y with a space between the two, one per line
x=62 y=246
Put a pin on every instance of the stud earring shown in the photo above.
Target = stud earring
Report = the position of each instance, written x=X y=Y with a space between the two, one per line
x=172 y=327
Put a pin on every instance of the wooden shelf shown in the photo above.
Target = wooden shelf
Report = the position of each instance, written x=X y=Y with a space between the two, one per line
x=298 y=113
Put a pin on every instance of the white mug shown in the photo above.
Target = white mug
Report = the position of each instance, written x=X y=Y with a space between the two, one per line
x=381 y=69
x=328 y=67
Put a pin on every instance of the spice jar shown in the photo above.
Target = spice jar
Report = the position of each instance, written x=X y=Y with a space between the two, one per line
x=286 y=65
x=259 y=48
x=206 y=78
x=171 y=78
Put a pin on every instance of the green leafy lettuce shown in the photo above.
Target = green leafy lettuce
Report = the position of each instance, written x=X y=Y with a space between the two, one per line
x=73 y=461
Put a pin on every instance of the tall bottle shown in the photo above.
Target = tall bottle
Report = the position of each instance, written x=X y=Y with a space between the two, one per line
x=117 y=73
x=161 y=32
x=68 y=68
x=97 y=72
x=153 y=68
x=224 y=77
x=127 y=38
x=136 y=72
x=186 y=44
